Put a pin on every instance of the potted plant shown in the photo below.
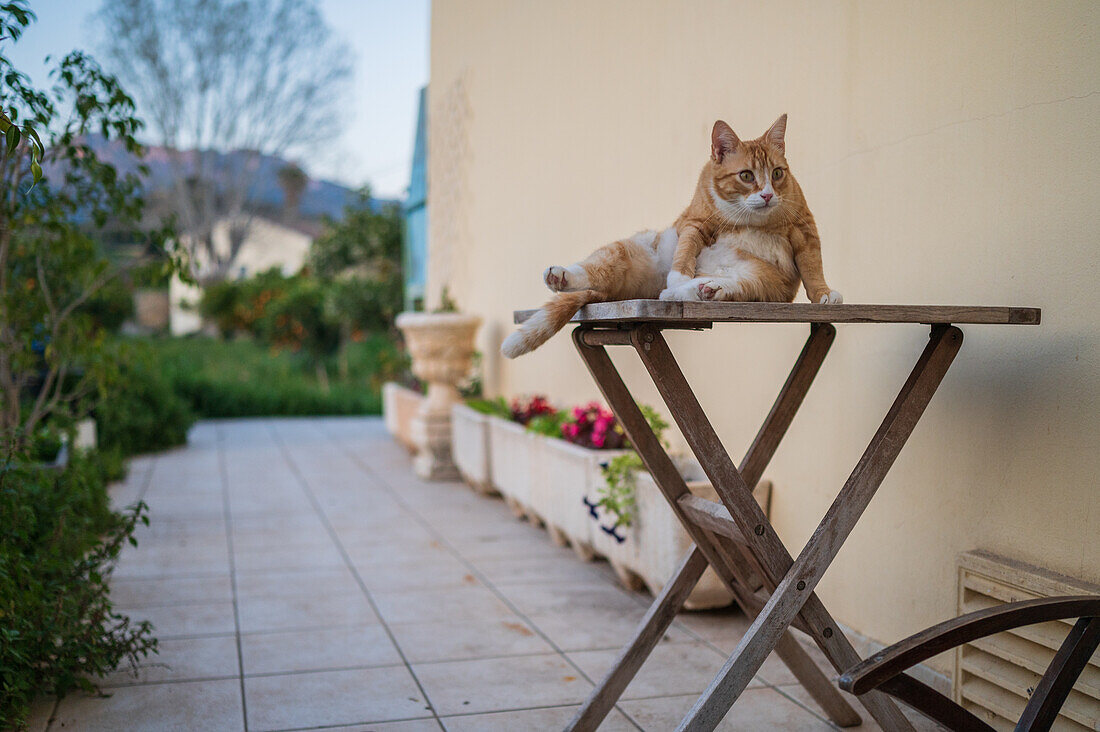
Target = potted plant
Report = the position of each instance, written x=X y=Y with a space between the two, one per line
x=441 y=344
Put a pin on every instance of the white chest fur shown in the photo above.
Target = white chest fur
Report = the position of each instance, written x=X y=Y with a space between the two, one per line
x=724 y=255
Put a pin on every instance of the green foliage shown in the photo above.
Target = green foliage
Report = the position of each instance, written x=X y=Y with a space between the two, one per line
x=144 y=413
x=299 y=322
x=111 y=305
x=60 y=542
x=447 y=303
x=359 y=260
x=548 y=425
x=498 y=407
x=54 y=197
x=241 y=307
x=244 y=379
x=617 y=495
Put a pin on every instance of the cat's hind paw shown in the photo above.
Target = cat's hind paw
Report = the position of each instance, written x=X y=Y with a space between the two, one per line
x=555 y=278
x=710 y=291
x=831 y=298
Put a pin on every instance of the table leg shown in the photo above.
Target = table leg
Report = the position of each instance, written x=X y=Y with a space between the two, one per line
x=797 y=584
x=671 y=484
x=652 y=628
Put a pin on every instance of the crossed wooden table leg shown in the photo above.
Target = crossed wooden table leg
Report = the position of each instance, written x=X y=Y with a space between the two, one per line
x=735 y=537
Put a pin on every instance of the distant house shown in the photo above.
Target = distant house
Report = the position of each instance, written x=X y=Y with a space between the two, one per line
x=269 y=243
x=416 y=213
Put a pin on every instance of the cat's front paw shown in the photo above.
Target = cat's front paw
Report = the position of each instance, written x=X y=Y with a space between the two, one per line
x=555 y=278
x=832 y=297
x=675 y=280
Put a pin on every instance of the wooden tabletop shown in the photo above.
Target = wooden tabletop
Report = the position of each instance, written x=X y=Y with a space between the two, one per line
x=781 y=312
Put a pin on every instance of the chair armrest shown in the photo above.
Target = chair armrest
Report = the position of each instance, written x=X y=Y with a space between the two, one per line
x=892 y=661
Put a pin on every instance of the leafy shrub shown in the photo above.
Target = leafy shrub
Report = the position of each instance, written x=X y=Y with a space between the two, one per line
x=244 y=379
x=617 y=495
x=143 y=411
x=298 y=321
x=58 y=547
x=239 y=307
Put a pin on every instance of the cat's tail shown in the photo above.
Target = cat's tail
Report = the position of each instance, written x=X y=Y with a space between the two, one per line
x=547 y=321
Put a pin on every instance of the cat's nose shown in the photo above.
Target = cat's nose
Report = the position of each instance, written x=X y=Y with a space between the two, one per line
x=767 y=197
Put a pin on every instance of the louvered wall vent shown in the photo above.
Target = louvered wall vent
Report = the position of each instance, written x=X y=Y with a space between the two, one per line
x=994 y=676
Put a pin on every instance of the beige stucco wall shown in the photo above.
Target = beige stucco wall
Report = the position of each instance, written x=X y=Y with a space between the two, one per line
x=950 y=154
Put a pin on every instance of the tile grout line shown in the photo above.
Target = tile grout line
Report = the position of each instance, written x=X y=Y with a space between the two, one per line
x=223 y=473
x=469 y=564
x=319 y=510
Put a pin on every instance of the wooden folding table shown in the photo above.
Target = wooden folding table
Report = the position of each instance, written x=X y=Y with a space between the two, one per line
x=734 y=536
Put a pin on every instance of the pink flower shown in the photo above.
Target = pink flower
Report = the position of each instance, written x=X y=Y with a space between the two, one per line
x=598 y=440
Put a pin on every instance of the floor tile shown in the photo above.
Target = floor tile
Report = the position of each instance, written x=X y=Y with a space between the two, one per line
x=302 y=612
x=194 y=706
x=454 y=603
x=501 y=684
x=330 y=698
x=314 y=582
x=532 y=599
x=183 y=659
x=549 y=718
x=193 y=619
x=315 y=650
x=137 y=593
x=756 y=710
x=672 y=669
x=582 y=629
x=448 y=640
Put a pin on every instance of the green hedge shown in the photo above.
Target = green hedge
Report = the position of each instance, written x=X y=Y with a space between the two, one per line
x=242 y=378
x=143 y=412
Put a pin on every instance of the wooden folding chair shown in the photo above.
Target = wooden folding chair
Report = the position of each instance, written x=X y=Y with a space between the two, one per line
x=734 y=536
x=881 y=670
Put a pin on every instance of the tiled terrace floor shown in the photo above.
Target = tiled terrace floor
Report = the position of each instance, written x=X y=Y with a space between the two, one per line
x=300 y=577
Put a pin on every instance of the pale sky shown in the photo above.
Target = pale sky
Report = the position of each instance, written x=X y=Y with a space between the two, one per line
x=389 y=39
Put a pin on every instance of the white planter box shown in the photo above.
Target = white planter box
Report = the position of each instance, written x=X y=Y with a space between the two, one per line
x=569 y=474
x=655 y=541
x=515 y=458
x=399 y=406
x=470 y=447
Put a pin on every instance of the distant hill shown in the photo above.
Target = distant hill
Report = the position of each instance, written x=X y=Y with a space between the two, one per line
x=320 y=198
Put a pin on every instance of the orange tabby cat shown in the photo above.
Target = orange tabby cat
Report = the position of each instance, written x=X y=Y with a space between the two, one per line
x=747 y=235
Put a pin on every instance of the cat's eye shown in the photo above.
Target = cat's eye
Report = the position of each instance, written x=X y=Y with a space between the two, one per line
x=747 y=176
x=777 y=174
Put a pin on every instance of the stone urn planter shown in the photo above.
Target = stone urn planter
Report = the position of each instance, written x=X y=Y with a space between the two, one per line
x=442 y=349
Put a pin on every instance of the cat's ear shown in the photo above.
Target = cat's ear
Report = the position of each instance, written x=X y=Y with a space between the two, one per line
x=775 y=133
x=723 y=141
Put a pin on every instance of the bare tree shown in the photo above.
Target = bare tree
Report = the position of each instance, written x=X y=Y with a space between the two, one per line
x=246 y=77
